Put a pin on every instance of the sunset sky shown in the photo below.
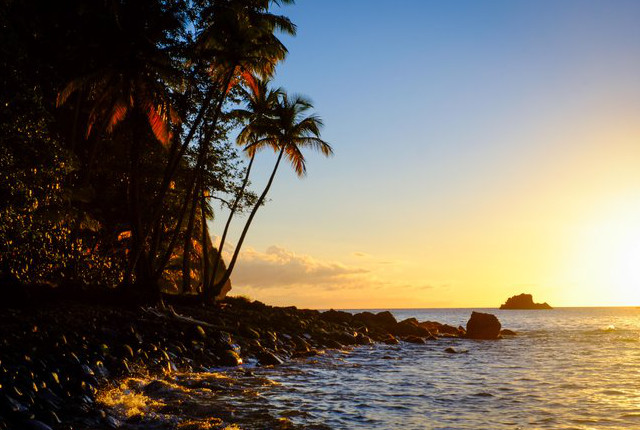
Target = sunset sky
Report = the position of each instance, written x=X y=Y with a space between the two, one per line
x=482 y=149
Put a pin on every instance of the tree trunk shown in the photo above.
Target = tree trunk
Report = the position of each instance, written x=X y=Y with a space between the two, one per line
x=218 y=255
x=204 y=277
x=186 y=248
x=174 y=161
x=218 y=285
x=190 y=193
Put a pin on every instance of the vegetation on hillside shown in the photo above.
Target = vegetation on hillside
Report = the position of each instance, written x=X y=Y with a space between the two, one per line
x=115 y=125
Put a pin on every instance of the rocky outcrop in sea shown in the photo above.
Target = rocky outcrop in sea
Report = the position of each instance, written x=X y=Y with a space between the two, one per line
x=523 y=301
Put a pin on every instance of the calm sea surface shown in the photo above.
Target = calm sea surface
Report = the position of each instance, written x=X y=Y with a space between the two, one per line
x=571 y=368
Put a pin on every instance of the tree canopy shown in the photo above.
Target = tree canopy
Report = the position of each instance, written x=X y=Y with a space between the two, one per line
x=115 y=128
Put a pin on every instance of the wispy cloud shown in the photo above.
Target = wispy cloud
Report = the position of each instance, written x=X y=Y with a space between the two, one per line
x=279 y=267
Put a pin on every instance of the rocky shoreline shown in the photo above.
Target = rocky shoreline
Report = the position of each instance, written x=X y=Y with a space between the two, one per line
x=58 y=360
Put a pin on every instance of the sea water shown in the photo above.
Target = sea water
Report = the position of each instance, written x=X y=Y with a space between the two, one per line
x=568 y=368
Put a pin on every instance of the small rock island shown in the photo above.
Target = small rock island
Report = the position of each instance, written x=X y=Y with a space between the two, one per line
x=524 y=301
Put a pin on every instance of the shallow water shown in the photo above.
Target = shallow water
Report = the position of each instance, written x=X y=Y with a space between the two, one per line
x=572 y=368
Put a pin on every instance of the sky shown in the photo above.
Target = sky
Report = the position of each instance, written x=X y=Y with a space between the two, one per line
x=482 y=149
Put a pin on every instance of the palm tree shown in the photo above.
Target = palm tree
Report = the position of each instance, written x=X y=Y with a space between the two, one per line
x=260 y=104
x=288 y=131
x=133 y=76
x=237 y=42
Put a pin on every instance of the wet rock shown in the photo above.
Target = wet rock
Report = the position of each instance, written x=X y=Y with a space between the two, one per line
x=390 y=340
x=339 y=317
x=230 y=358
x=333 y=344
x=200 y=333
x=157 y=388
x=384 y=320
x=483 y=326
x=346 y=338
x=305 y=354
x=112 y=422
x=363 y=339
x=452 y=350
x=11 y=405
x=267 y=358
x=448 y=330
x=413 y=339
x=410 y=327
x=507 y=332
x=35 y=425
x=249 y=332
x=128 y=351
x=300 y=343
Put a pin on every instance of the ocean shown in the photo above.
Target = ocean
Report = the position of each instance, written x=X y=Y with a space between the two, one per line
x=568 y=368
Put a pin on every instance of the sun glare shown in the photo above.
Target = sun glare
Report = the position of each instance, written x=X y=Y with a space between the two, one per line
x=626 y=269
x=606 y=266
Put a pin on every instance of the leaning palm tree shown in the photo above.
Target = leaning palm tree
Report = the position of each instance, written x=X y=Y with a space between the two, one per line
x=288 y=131
x=261 y=102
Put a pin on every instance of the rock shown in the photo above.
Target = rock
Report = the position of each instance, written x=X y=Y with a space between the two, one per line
x=334 y=316
x=390 y=340
x=267 y=358
x=112 y=422
x=507 y=332
x=35 y=425
x=448 y=330
x=230 y=358
x=363 y=339
x=413 y=339
x=156 y=388
x=249 y=332
x=483 y=326
x=345 y=338
x=127 y=350
x=334 y=344
x=523 y=301
x=305 y=354
x=451 y=350
x=384 y=320
x=410 y=327
x=200 y=333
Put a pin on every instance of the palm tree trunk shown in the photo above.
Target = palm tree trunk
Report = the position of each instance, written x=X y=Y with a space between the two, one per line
x=236 y=252
x=186 y=248
x=202 y=153
x=234 y=207
x=175 y=156
x=204 y=277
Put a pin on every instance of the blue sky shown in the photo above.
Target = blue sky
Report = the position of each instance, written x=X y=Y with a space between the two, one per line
x=469 y=136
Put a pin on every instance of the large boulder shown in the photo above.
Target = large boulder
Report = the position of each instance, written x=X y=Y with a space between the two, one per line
x=410 y=327
x=384 y=320
x=483 y=326
x=338 y=317
x=523 y=301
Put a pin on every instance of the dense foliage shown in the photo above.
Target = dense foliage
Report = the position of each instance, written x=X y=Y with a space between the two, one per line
x=114 y=137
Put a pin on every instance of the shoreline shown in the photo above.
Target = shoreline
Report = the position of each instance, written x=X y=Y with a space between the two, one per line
x=69 y=364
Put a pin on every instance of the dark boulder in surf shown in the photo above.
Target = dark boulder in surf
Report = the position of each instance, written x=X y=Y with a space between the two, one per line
x=483 y=326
